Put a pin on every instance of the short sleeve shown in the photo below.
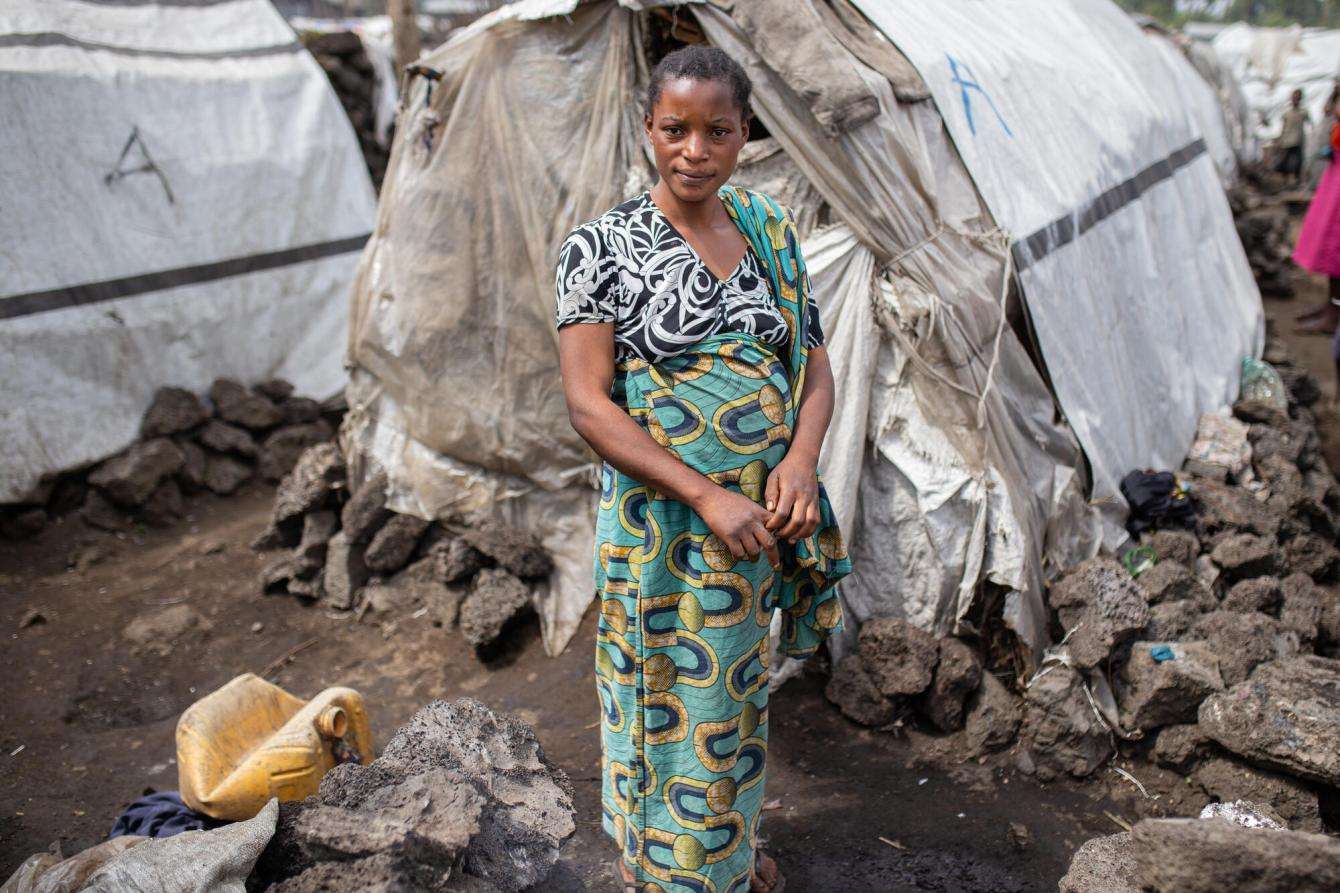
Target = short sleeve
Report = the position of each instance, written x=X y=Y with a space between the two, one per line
x=586 y=279
x=814 y=334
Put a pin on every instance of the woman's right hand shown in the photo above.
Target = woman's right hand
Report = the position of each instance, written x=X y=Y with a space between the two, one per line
x=739 y=523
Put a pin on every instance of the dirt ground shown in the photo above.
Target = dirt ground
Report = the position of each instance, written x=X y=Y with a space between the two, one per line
x=88 y=724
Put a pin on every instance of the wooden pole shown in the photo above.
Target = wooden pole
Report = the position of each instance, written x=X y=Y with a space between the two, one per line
x=404 y=33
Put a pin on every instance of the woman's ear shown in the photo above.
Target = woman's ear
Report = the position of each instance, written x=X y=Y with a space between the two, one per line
x=646 y=122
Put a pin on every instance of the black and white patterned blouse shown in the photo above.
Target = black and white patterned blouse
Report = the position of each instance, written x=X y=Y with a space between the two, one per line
x=630 y=266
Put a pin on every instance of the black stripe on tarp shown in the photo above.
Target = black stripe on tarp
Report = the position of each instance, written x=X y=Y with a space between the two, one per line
x=54 y=38
x=129 y=286
x=1064 y=230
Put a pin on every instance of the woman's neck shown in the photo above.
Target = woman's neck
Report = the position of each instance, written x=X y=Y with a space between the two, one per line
x=691 y=215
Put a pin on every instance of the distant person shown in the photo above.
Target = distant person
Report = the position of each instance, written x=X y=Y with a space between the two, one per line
x=1318 y=248
x=694 y=364
x=1293 y=138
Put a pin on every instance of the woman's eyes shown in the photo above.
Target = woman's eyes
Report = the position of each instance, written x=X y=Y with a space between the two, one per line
x=717 y=133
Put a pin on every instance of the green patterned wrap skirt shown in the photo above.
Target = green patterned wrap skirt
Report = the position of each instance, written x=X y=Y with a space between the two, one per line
x=682 y=651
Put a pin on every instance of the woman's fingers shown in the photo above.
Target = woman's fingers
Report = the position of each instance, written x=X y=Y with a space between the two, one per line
x=784 y=506
x=735 y=547
x=771 y=491
x=796 y=523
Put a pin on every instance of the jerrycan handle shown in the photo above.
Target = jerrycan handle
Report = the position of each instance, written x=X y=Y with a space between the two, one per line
x=332 y=722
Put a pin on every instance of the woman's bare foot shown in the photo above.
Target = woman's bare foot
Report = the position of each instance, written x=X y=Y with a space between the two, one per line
x=765 y=875
x=1323 y=323
x=626 y=873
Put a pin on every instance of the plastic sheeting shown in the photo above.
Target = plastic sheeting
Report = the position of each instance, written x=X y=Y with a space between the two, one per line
x=185 y=200
x=1136 y=283
x=947 y=463
x=1273 y=62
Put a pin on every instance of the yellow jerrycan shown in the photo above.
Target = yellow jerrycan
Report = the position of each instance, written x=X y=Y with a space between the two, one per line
x=251 y=740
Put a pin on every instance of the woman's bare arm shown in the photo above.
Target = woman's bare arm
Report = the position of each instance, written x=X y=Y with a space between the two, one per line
x=586 y=357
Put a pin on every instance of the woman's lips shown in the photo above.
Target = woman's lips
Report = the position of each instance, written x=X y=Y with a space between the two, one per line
x=693 y=178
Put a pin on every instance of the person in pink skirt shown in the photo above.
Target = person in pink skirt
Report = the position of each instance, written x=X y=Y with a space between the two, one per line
x=1318 y=248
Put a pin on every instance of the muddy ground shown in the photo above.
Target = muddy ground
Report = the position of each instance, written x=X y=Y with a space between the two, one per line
x=87 y=723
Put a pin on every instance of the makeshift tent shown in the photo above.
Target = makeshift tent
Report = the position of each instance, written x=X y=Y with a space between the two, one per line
x=1271 y=63
x=992 y=197
x=1210 y=91
x=184 y=199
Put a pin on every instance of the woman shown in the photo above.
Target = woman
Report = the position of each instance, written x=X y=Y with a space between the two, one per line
x=693 y=364
x=1318 y=248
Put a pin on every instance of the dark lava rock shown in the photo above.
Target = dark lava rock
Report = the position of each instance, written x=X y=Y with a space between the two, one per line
x=345 y=572
x=98 y=511
x=225 y=438
x=1285 y=716
x=1180 y=546
x=1214 y=856
x=300 y=410
x=1242 y=641
x=224 y=474
x=131 y=478
x=994 y=715
x=1261 y=412
x=164 y=506
x=1060 y=732
x=172 y=411
x=415 y=587
x=957 y=675
x=1245 y=555
x=1233 y=509
x=462 y=799
x=1257 y=594
x=1226 y=779
x=457 y=560
x=515 y=550
x=1178 y=746
x=898 y=656
x=1302 y=606
x=1170 y=621
x=312 y=485
x=236 y=403
x=855 y=693
x=1310 y=554
x=284 y=447
x=191 y=475
x=366 y=511
x=1102 y=865
x=1169 y=581
x=1153 y=693
x=276 y=389
x=393 y=545
x=494 y=601
x=1100 y=607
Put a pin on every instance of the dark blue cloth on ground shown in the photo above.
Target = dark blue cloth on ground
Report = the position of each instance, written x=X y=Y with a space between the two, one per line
x=161 y=815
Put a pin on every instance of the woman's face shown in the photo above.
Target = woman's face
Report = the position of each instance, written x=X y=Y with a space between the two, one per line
x=696 y=132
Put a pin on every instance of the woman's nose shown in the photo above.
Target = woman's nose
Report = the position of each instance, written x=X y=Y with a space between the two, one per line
x=695 y=147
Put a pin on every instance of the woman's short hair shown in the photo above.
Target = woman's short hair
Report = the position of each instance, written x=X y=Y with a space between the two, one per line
x=701 y=63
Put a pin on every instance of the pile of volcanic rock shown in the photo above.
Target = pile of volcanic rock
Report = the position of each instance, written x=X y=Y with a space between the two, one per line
x=187 y=444
x=349 y=552
x=1265 y=227
x=900 y=672
x=1241 y=846
x=462 y=799
x=342 y=57
x=1211 y=671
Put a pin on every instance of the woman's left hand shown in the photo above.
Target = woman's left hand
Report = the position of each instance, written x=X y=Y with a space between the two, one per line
x=792 y=495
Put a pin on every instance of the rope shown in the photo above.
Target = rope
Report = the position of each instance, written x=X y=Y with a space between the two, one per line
x=998 y=243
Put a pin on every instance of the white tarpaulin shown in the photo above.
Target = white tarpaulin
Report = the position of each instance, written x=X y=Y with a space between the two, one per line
x=947 y=463
x=1273 y=62
x=184 y=199
x=1138 y=288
